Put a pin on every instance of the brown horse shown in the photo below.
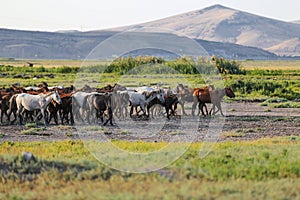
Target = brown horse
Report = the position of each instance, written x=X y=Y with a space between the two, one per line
x=102 y=103
x=184 y=94
x=4 y=106
x=214 y=97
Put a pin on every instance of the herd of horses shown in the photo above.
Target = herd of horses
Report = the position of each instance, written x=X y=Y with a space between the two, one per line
x=92 y=105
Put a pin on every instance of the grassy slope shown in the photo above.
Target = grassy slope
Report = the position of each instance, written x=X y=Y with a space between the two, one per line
x=264 y=169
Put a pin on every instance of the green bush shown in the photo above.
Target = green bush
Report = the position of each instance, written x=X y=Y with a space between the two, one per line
x=66 y=70
x=125 y=64
x=227 y=66
x=183 y=65
x=270 y=88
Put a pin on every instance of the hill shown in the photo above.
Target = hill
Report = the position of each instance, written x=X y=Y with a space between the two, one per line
x=77 y=45
x=297 y=21
x=223 y=24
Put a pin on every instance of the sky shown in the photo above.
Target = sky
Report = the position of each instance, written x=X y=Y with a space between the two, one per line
x=54 y=15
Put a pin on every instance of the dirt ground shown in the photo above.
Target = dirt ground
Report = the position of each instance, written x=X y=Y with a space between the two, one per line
x=243 y=121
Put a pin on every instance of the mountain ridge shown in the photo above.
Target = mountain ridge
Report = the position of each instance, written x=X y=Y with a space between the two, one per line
x=223 y=24
x=77 y=45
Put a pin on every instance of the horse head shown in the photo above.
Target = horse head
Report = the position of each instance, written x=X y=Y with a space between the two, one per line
x=56 y=97
x=229 y=92
x=160 y=95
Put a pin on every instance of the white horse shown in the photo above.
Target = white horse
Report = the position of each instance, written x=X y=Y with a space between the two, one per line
x=40 y=102
x=81 y=107
x=136 y=99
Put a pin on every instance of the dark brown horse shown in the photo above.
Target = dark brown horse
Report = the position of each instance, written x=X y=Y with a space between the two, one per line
x=102 y=103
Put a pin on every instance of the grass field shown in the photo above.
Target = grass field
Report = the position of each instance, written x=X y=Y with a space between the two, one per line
x=247 y=64
x=263 y=79
x=260 y=169
x=263 y=169
x=271 y=64
x=38 y=63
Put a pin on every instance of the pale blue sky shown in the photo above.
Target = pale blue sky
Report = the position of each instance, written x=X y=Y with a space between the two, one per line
x=53 y=15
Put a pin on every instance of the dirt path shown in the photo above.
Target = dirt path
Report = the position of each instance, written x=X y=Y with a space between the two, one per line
x=244 y=121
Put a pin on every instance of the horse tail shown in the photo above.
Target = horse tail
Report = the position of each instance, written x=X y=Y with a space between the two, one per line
x=12 y=104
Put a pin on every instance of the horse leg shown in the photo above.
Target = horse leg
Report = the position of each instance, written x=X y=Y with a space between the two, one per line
x=50 y=117
x=148 y=112
x=55 y=117
x=44 y=116
x=167 y=110
x=182 y=107
x=194 y=108
x=212 y=109
x=5 y=113
x=37 y=117
x=175 y=108
x=1 y=116
x=9 y=114
x=219 y=109
x=61 y=115
x=20 y=114
x=136 y=110
x=125 y=113
x=71 y=117
x=110 y=114
x=200 y=108
x=131 y=111
x=143 y=109
x=31 y=116
x=206 y=109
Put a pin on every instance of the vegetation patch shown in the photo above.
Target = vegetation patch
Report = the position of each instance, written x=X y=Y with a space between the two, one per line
x=35 y=131
x=124 y=132
x=31 y=125
x=280 y=103
x=253 y=85
x=236 y=134
x=93 y=128
x=233 y=169
x=286 y=105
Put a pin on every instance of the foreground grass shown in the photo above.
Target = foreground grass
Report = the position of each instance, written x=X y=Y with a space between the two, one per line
x=263 y=169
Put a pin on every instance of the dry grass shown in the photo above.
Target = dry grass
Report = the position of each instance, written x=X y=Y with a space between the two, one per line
x=271 y=64
x=51 y=63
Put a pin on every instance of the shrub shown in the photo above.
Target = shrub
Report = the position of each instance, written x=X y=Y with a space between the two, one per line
x=66 y=70
x=227 y=66
x=270 y=88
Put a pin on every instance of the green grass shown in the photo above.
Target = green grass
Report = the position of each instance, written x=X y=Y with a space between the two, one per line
x=263 y=79
x=280 y=103
x=286 y=105
x=267 y=168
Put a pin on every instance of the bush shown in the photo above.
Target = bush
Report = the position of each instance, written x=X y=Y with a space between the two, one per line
x=125 y=64
x=227 y=66
x=183 y=65
x=270 y=88
x=66 y=70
